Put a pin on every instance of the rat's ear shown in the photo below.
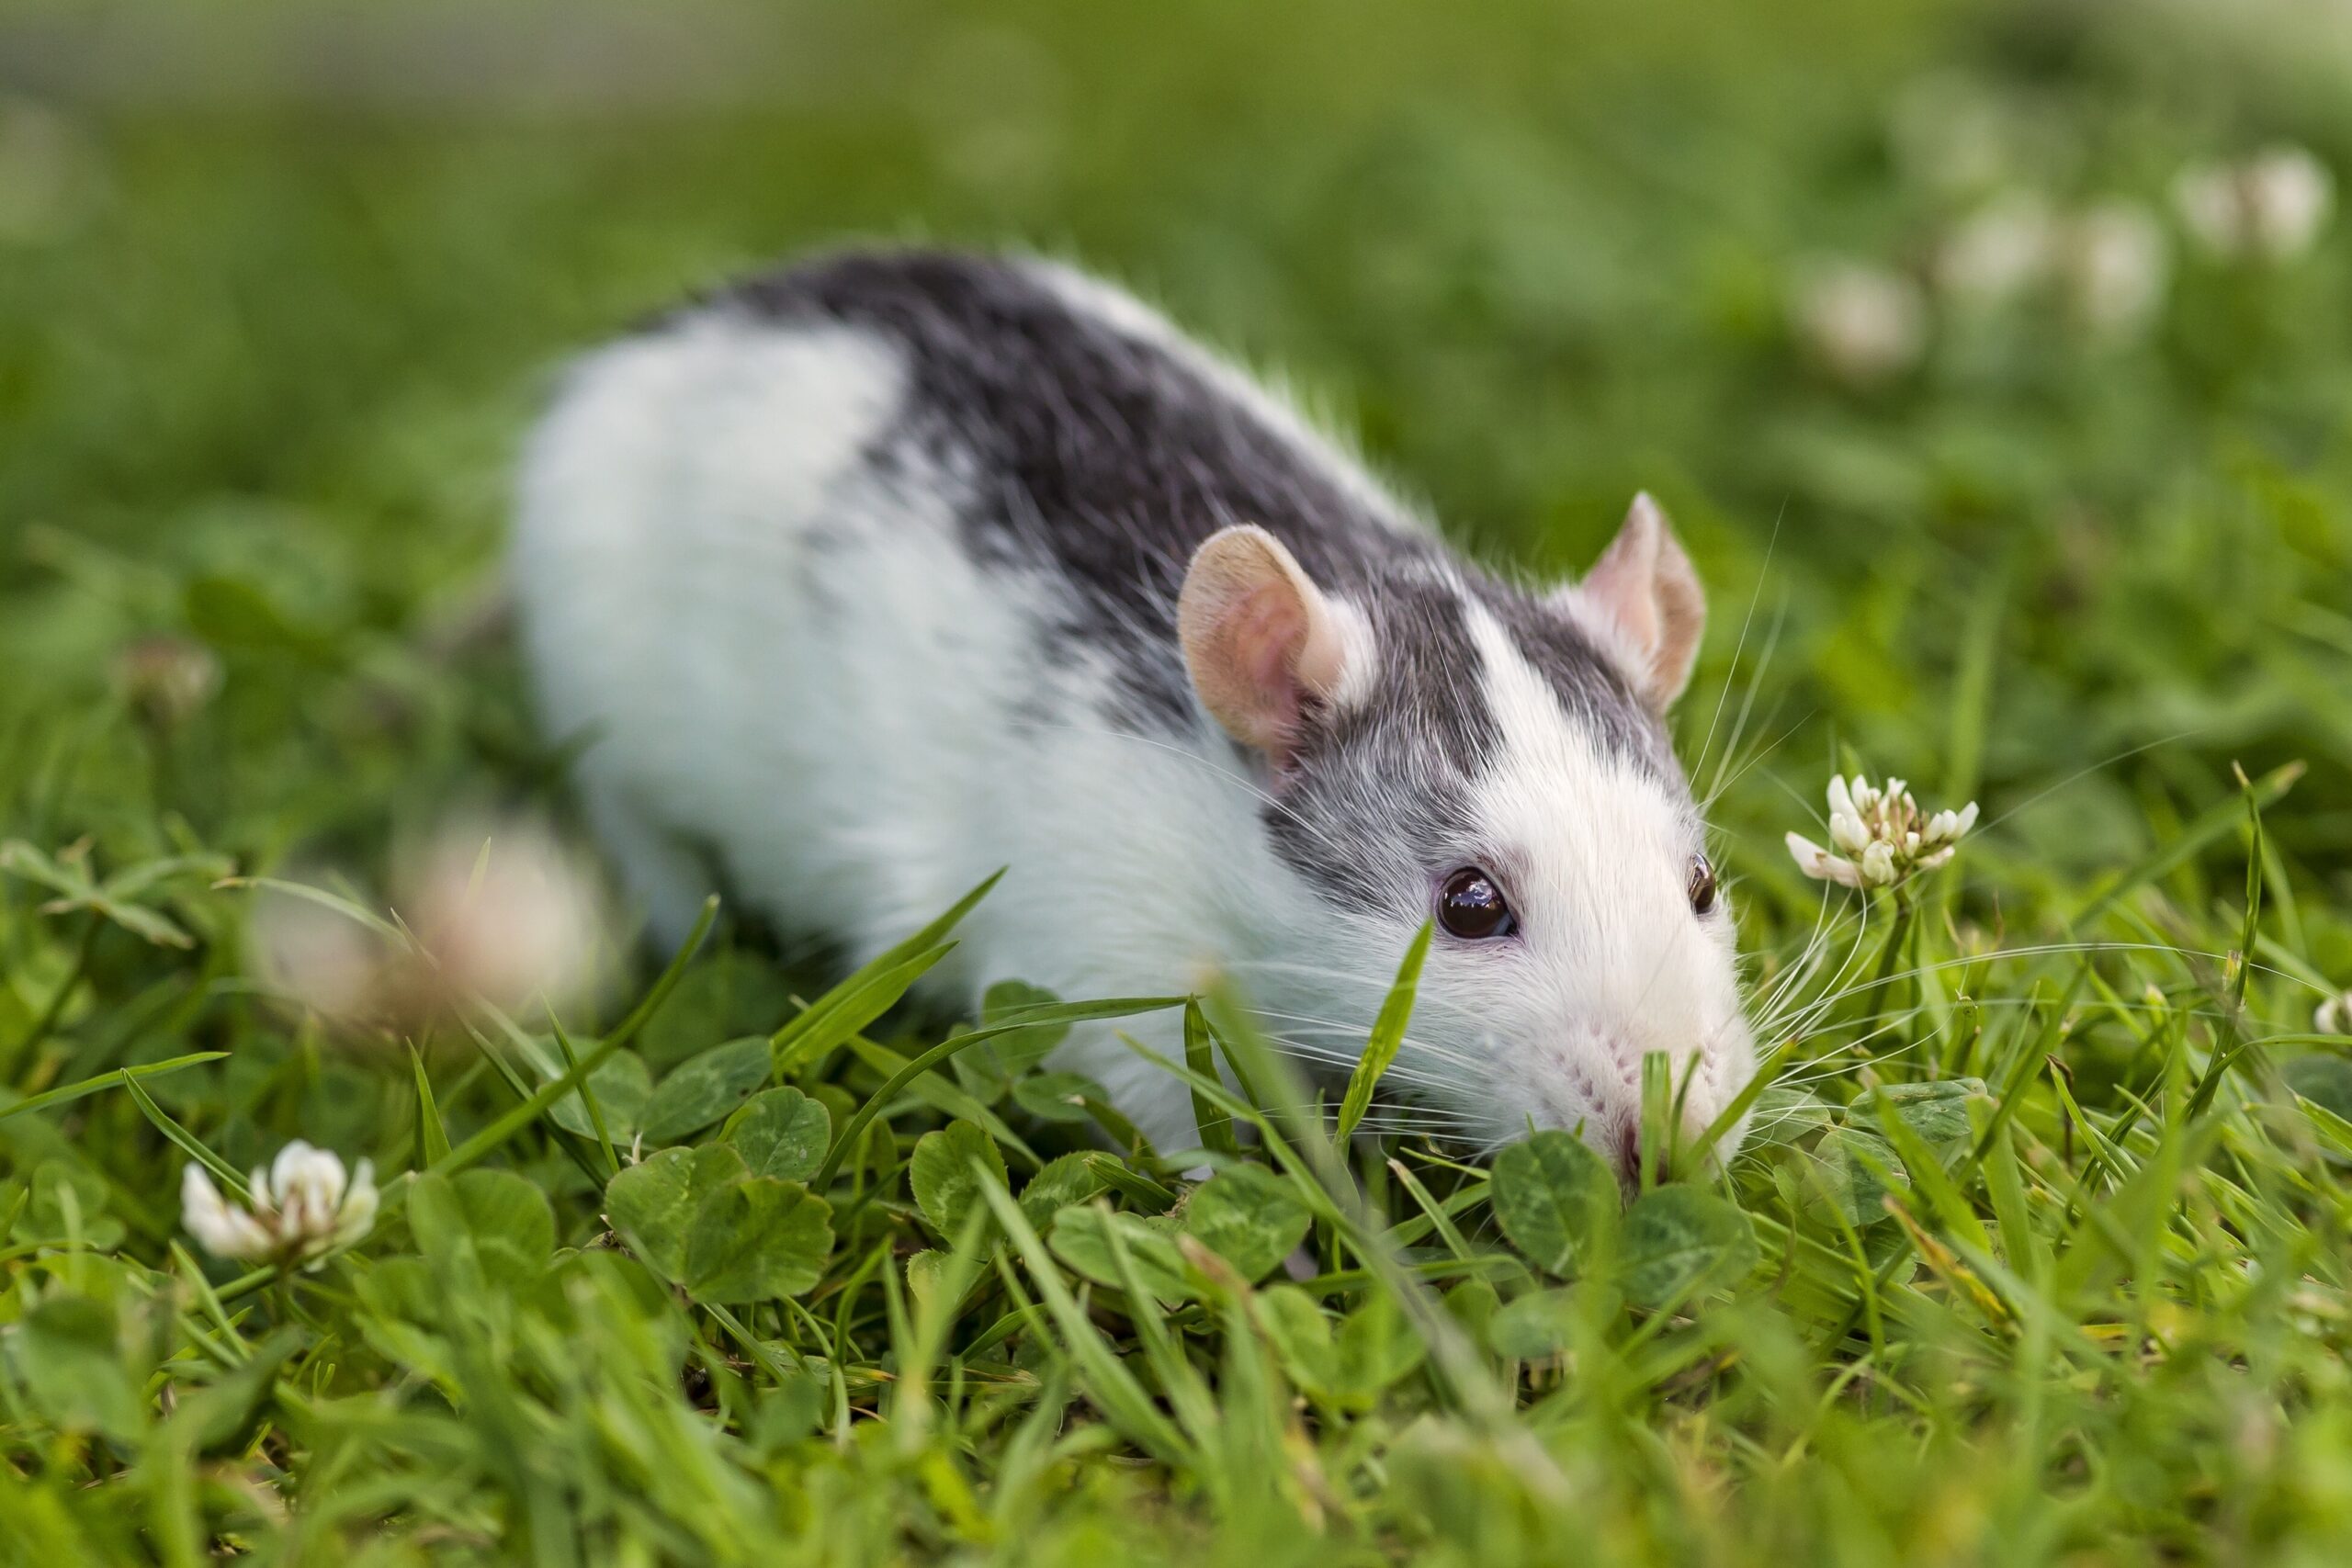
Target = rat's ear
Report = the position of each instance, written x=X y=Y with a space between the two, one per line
x=1260 y=639
x=1645 y=586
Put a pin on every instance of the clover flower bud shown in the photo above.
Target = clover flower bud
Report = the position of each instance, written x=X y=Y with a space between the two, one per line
x=1820 y=864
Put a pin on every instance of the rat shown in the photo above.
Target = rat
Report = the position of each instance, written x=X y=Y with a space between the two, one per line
x=866 y=578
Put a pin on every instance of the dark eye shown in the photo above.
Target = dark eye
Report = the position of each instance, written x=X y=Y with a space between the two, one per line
x=1702 y=885
x=1471 y=906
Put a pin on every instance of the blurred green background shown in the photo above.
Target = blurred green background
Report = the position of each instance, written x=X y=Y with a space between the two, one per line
x=1904 y=308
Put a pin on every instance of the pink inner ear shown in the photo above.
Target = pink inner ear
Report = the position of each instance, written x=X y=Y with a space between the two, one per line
x=1624 y=582
x=1257 y=640
x=1629 y=601
x=1644 y=583
x=1265 y=632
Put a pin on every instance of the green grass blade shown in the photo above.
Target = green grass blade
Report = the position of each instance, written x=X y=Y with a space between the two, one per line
x=432 y=1138
x=1432 y=1210
x=1131 y=1184
x=2208 y=827
x=1658 y=1116
x=190 y=1143
x=587 y=1095
x=1216 y=1122
x=2028 y=1255
x=1768 y=1071
x=2230 y=1036
x=1196 y=1408
x=850 y=1008
x=1113 y=1388
x=119 y=1077
x=875 y=978
x=487 y=1141
x=1388 y=1034
x=651 y=1003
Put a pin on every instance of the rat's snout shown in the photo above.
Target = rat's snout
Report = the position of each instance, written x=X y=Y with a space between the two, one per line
x=1621 y=1146
x=1590 y=1082
x=1625 y=1152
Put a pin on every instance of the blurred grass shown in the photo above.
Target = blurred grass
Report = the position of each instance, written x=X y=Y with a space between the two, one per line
x=280 y=286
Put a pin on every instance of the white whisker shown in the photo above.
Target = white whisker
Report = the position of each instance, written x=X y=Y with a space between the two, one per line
x=1731 y=676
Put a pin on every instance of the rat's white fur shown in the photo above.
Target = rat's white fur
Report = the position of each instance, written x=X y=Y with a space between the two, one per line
x=781 y=653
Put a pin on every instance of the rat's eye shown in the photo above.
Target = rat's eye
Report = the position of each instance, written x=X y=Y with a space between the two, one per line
x=1702 y=885
x=1471 y=906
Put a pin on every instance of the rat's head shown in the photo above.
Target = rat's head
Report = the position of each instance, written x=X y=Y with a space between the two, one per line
x=1436 y=746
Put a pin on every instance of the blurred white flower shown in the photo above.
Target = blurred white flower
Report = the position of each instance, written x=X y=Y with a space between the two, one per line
x=2270 y=206
x=2108 y=262
x=505 y=913
x=324 y=960
x=499 y=913
x=2334 y=1016
x=2291 y=196
x=2206 y=197
x=1997 y=252
x=304 y=1209
x=1861 y=324
x=166 y=679
x=2112 y=265
x=1879 y=837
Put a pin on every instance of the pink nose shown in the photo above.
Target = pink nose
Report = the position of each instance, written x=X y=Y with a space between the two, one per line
x=1626 y=1149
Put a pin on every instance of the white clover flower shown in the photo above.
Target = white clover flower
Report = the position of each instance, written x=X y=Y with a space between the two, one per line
x=1878 y=835
x=499 y=913
x=2107 y=263
x=1997 y=252
x=2113 y=266
x=2334 y=1016
x=1861 y=324
x=304 y=1209
x=2270 y=206
x=315 y=955
x=2290 y=195
x=505 y=913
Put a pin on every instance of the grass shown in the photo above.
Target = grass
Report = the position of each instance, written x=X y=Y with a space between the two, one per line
x=2040 y=1250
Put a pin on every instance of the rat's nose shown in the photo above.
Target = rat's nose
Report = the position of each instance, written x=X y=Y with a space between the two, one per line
x=1626 y=1146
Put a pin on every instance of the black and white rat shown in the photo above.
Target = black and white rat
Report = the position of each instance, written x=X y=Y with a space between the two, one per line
x=875 y=575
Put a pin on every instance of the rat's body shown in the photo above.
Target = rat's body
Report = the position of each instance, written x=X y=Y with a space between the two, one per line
x=871 y=577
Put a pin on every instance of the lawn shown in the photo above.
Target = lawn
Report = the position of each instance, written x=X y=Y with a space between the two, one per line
x=1995 y=363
